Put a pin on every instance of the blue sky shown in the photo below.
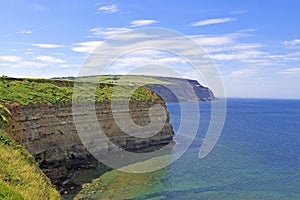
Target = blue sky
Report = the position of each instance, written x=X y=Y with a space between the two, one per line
x=254 y=44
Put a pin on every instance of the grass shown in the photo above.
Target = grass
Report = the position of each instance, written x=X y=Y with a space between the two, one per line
x=20 y=176
x=128 y=79
x=9 y=193
x=48 y=91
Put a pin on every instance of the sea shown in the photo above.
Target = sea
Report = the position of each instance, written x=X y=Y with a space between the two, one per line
x=256 y=157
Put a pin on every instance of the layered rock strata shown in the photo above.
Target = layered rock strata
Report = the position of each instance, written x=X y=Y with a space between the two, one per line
x=48 y=132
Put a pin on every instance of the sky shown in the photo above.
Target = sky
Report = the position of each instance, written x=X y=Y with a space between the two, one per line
x=255 y=45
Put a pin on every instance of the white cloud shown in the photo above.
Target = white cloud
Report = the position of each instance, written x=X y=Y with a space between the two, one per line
x=38 y=7
x=212 y=21
x=139 y=59
x=227 y=48
x=50 y=59
x=244 y=72
x=47 y=46
x=25 y=32
x=213 y=40
x=289 y=57
x=235 y=46
x=224 y=56
x=109 y=32
x=28 y=64
x=292 y=42
x=143 y=22
x=234 y=12
x=109 y=8
x=86 y=47
x=29 y=51
x=247 y=46
x=291 y=71
x=64 y=65
x=10 y=58
x=238 y=55
x=221 y=40
x=224 y=49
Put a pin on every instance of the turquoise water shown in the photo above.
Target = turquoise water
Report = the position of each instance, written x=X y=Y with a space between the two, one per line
x=256 y=157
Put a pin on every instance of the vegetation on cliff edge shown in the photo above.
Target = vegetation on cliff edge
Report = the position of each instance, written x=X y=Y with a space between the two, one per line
x=20 y=176
x=48 y=91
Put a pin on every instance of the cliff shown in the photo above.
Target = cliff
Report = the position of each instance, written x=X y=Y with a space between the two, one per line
x=44 y=125
x=48 y=132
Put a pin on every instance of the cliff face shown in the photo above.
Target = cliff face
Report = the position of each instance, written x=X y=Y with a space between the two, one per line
x=201 y=93
x=48 y=132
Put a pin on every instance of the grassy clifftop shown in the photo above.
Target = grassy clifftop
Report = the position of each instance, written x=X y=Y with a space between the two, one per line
x=163 y=86
x=48 y=91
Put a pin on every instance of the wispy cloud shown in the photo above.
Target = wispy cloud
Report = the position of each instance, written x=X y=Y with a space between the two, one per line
x=29 y=51
x=224 y=49
x=143 y=22
x=50 y=59
x=25 y=32
x=239 y=55
x=38 y=7
x=291 y=42
x=235 y=12
x=220 y=41
x=86 y=47
x=113 y=8
x=213 y=21
x=10 y=58
x=108 y=32
x=291 y=71
x=64 y=65
x=26 y=64
x=244 y=72
x=214 y=40
x=47 y=46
